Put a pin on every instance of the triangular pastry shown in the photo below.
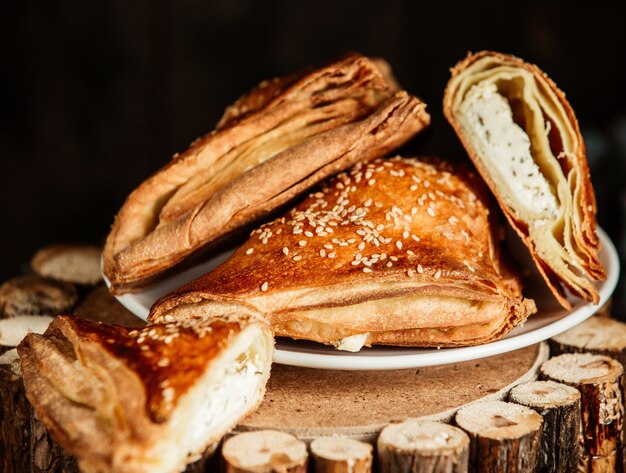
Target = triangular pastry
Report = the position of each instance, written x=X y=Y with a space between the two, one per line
x=523 y=137
x=145 y=400
x=271 y=145
x=396 y=252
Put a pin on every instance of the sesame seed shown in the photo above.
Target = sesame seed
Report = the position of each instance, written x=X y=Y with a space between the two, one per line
x=361 y=245
x=249 y=251
x=286 y=251
x=322 y=253
x=438 y=274
x=399 y=244
x=389 y=264
x=332 y=254
x=430 y=211
x=393 y=258
x=328 y=246
x=371 y=182
x=415 y=237
x=308 y=233
x=410 y=273
x=409 y=252
x=413 y=187
x=297 y=257
x=367 y=270
x=405 y=234
x=264 y=286
x=302 y=243
x=420 y=269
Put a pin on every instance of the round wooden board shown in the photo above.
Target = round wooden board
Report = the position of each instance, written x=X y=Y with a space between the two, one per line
x=311 y=403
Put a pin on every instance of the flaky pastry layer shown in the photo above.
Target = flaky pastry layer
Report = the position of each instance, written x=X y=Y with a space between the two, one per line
x=271 y=145
x=523 y=137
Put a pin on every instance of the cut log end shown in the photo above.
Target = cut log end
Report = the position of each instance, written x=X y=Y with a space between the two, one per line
x=415 y=446
x=582 y=368
x=264 y=450
x=35 y=295
x=341 y=455
x=498 y=420
x=78 y=264
x=595 y=333
x=544 y=395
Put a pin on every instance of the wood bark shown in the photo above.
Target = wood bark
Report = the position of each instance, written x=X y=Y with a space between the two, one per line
x=559 y=405
x=423 y=447
x=341 y=455
x=599 y=379
x=504 y=437
x=266 y=451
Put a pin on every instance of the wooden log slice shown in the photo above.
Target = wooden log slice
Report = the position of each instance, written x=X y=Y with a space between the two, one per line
x=559 y=405
x=341 y=455
x=264 y=451
x=504 y=437
x=423 y=447
x=34 y=295
x=74 y=263
x=597 y=335
x=311 y=403
x=599 y=380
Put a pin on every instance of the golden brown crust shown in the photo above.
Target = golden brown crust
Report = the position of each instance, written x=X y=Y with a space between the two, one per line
x=391 y=248
x=270 y=146
x=109 y=394
x=583 y=213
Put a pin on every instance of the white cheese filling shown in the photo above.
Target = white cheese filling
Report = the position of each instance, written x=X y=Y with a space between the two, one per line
x=507 y=148
x=229 y=398
x=352 y=343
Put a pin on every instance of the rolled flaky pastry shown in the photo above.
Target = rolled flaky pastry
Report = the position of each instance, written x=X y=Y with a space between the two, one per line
x=397 y=252
x=523 y=137
x=270 y=146
x=148 y=400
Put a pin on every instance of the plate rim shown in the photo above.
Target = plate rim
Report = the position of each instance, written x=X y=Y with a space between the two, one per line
x=435 y=357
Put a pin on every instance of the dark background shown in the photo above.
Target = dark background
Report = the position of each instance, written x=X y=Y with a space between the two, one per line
x=97 y=95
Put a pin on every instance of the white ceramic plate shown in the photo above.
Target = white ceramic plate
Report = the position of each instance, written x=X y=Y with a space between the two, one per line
x=550 y=320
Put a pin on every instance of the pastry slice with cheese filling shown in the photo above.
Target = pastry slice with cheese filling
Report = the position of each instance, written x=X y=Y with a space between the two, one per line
x=523 y=137
x=145 y=400
x=395 y=252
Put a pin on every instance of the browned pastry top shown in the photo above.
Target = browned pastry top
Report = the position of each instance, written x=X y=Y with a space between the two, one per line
x=364 y=225
x=167 y=358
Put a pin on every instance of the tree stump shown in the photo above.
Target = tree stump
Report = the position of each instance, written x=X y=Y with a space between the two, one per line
x=599 y=380
x=264 y=451
x=504 y=437
x=73 y=263
x=423 y=447
x=14 y=416
x=559 y=405
x=341 y=455
x=597 y=335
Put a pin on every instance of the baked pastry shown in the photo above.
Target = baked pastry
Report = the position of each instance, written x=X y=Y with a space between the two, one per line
x=523 y=137
x=144 y=400
x=271 y=145
x=396 y=252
